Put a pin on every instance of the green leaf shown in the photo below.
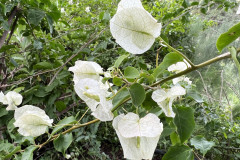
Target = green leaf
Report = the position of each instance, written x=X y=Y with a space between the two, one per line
x=149 y=103
x=174 y=138
x=35 y=16
x=50 y=23
x=60 y=105
x=28 y=153
x=131 y=73
x=194 y=3
x=185 y=3
x=120 y=60
x=203 y=10
x=13 y=62
x=62 y=143
x=37 y=44
x=137 y=93
x=117 y=81
x=179 y=152
x=6 y=47
x=43 y=65
x=53 y=85
x=234 y=57
x=167 y=130
x=61 y=124
x=41 y=92
x=3 y=112
x=184 y=120
x=192 y=94
x=120 y=97
x=169 y=59
x=199 y=142
x=25 y=42
x=55 y=14
x=18 y=148
x=228 y=37
x=106 y=16
x=63 y=74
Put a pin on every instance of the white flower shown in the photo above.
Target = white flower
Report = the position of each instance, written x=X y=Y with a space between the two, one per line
x=138 y=137
x=31 y=120
x=12 y=99
x=94 y=93
x=165 y=98
x=182 y=78
x=87 y=9
x=133 y=27
x=86 y=69
x=179 y=66
x=67 y=156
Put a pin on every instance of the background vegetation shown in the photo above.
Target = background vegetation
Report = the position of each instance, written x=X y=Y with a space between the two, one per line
x=46 y=37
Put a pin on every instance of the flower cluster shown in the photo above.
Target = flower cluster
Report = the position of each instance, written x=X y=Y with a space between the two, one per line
x=31 y=120
x=89 y=88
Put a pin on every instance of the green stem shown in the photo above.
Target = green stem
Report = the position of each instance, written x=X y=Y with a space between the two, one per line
x=213 y=60
x=173 y=49
x=117 y=92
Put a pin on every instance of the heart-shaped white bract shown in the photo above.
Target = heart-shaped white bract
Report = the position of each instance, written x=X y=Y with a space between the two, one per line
x=94 y=94
x=179 y=66
x=133 y=27
x=12 y=99
x=138 y=137
x=85 y=69
x=165 y=98
x=31 y=120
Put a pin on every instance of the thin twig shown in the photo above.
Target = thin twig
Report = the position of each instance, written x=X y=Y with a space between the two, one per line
x=233 y=89
x=21 y=81
x=158 y=56
x=176 y=18
x=83 y=115
x=10 y=19
x=205 y=87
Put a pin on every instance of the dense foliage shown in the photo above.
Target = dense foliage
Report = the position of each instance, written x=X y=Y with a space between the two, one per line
x=42 y=39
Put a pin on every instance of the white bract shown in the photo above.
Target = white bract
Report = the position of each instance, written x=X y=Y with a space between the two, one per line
x=85 y=69
x=87 y=9
x=138 y=137
x=94 y=94
x=179 y=66
x=31 y=120
x=12 y=99
x=182 y=78
x=133 y=27
x=165 y=98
